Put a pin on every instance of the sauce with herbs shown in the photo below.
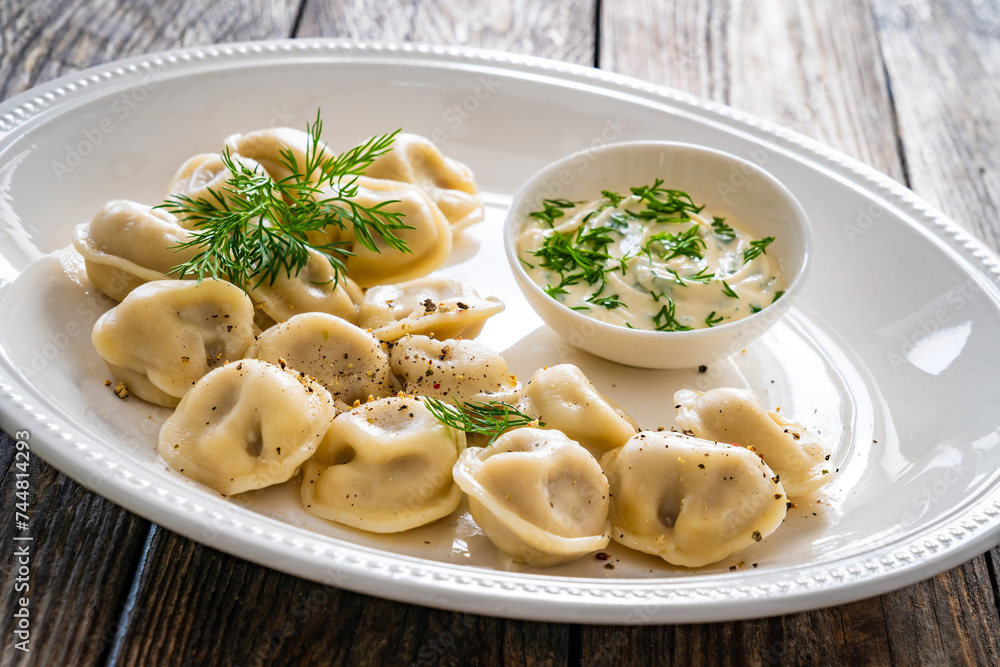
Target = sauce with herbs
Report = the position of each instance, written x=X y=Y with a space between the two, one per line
x=651 y=259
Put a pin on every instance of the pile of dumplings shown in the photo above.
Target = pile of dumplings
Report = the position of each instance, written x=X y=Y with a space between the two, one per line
x=301 y=377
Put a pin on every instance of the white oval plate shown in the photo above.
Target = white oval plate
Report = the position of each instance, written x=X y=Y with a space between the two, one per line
x=890 y=353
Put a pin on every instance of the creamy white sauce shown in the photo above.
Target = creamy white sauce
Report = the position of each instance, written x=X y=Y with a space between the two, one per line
x=643 y=286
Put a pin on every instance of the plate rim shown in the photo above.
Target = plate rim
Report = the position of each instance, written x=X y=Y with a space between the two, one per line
x=929 y=550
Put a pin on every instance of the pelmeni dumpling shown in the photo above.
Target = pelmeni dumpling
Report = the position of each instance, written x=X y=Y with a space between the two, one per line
x=165 y=335
x=540 y=497
x=246 y=425
x=736 y=416
x=428 y=240
x=348 y=361
x=266 y=147
x=691 y=502
x=564 y=399
x=203 y=177
x=449 y=183
x=384 y=467
x=128 y=244
x=310 y=290
x=461 y=370
x=438 y=307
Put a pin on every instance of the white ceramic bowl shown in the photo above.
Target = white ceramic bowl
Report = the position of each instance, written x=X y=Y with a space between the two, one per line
x=725 y=184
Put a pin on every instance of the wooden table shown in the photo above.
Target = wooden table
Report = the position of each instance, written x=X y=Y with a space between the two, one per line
x=908 y=86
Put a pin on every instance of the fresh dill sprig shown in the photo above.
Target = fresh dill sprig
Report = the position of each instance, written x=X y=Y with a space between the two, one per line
x=728 y=291
x=665 y=319
x=575 y=257
x=664 y=205
x=613 y=197
x=757 y=248
x=705 y=275
x=712 y=319
x=609 y=302
x=552 y=209
x=617 y=222
x=722 y=230
x=492 y=418
x=682 y=244
x=257 y=228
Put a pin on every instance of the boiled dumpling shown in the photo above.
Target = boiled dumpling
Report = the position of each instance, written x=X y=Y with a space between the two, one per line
x=564 y=399
x=437 y=307
x=736 y=416
x=540 y=497
x=461 y=370
x=203 y=177
x=310 y=290
x=428 y=240
x=384 y=467
x=348 y=361
x=128 y=244
x=165 y=335
x=691 y=502
x=449 y=183
x=269 y=147
x=245 y=426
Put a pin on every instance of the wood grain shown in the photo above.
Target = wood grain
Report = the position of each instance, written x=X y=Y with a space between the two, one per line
x=945 y=620
x=814 y=68
x=85 y=547
x=43 y=39
x=196 y=606
x=825 y=78
x=83 y=554
x=943 y=64
x=563 y=29
x=867 y=81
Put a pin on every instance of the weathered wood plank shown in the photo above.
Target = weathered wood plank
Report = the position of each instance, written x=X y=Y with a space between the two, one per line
x=42 y=39
x=942 y=61
x=811 y=67
x=561 y=30
x=37 y=45
x=936 y=622
x=825 y=78
x=950 y=619
x=82 y=557
x=198 y=606
x=993 y=566
x=78 y=583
